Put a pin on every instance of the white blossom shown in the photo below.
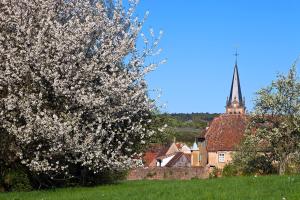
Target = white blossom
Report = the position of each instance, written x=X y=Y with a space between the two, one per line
x=72 y=82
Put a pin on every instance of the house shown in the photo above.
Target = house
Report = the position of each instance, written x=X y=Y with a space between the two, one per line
x=174 y=155
x=180 y=159
x=166 y=154
x=225 y=132
x=223 y=136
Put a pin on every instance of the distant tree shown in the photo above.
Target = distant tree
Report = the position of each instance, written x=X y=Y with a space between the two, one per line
x=274 y=130
x=72 y=87
x=164 y=130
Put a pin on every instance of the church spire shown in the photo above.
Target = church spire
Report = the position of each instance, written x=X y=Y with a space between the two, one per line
x=235 y=103
x=235 y=91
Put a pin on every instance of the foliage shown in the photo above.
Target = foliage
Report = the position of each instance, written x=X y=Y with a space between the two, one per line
x=273 y=135
x=8 y=159
x=105 y=177
x=293 y=166
x=261 y=187
x=165 y=133
x=229 y=170
x=1 y=180
x=215 y=173
x=256 y=165
x=72 y=87
x=195 y=117
x=260 y=165
x=182 y=126
x=17 y=180
x=81 y=176
x=7 y=150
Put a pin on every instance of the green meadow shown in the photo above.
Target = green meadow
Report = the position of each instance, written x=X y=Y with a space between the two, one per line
x=265 y=187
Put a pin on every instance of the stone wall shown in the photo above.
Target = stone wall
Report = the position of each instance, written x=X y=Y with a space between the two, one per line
x=160 y=173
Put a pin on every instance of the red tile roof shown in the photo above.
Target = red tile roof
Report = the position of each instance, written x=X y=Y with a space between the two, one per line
x=151 y=154
x=149 y=157
x=225 y=132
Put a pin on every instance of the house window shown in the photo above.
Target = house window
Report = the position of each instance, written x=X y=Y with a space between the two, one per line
x=221 y=157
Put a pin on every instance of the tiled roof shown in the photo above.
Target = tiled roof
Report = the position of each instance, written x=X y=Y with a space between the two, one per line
x=177 y=156
x=149 y=157
x=151 y=153
x=188 y=156
x=168 y=150
x=225 y=132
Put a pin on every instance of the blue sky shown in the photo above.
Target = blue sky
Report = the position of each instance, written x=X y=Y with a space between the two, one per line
x=200 y=37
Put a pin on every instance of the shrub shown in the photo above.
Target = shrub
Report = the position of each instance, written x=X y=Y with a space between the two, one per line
x=109 y=176
x=259 y=165
x=215 y=173
x=88 y=178
x=17 y=180
x=230 y=170
x=293 y=167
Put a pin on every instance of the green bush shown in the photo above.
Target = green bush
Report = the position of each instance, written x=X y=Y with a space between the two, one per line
x=259 y=165
x=215 y=173
x=111 y=176
x=88 y=178
x=293 y=167
x=1 y=183
x=230 y=170
x=17 y=180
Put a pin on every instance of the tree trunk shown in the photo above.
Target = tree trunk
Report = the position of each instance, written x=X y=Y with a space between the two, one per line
x=83 y=174
x=282 y=164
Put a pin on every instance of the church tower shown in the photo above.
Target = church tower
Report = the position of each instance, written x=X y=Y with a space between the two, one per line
x=235 y=104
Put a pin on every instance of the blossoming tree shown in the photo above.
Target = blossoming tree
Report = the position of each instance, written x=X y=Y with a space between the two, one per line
x=72 y=88
x=273 y=135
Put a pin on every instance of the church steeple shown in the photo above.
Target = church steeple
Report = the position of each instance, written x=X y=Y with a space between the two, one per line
x=235 y=103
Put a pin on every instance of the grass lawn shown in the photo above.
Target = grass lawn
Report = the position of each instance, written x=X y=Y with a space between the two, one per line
x=268 y=187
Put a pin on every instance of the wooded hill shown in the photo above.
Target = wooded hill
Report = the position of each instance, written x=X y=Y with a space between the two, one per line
x=186 y=126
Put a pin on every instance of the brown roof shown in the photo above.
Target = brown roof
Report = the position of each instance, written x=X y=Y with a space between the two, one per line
x=176 y=157
x=188 y=156
x=151 y=153
x=149 y=157
x=167 y=150
x=225 y=132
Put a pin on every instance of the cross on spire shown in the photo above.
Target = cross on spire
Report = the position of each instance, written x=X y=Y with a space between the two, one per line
x=236 y=56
